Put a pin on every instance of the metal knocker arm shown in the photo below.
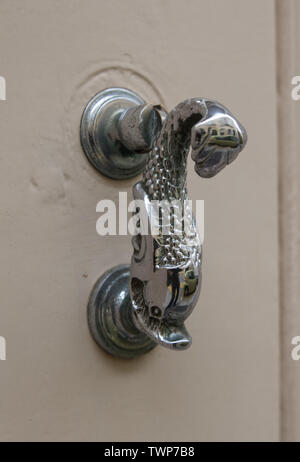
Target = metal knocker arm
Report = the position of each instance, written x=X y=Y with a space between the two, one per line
x=133 y=308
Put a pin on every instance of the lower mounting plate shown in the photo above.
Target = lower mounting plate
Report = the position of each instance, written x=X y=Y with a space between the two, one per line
x=111 y=317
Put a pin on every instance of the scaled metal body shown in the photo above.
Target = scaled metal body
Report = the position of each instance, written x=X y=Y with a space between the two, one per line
x=166 y=268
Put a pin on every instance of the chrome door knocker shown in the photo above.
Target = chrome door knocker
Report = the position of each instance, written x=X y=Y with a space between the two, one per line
x=133 y=308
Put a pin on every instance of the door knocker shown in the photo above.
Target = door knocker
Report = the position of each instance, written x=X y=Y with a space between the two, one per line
x=134 y=307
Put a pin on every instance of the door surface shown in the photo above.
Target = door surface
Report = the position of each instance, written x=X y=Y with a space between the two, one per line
x=56 y=384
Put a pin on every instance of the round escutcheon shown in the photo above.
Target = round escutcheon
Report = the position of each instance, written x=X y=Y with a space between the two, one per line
x=110 y=316
x=99 y=137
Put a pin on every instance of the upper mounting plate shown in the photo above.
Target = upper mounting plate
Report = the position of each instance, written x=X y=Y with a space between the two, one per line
x=99 y=137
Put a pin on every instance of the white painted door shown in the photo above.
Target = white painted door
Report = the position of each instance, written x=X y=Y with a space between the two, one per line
x=55 y=383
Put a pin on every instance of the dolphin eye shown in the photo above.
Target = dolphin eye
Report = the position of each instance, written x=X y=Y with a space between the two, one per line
x=155 y=311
